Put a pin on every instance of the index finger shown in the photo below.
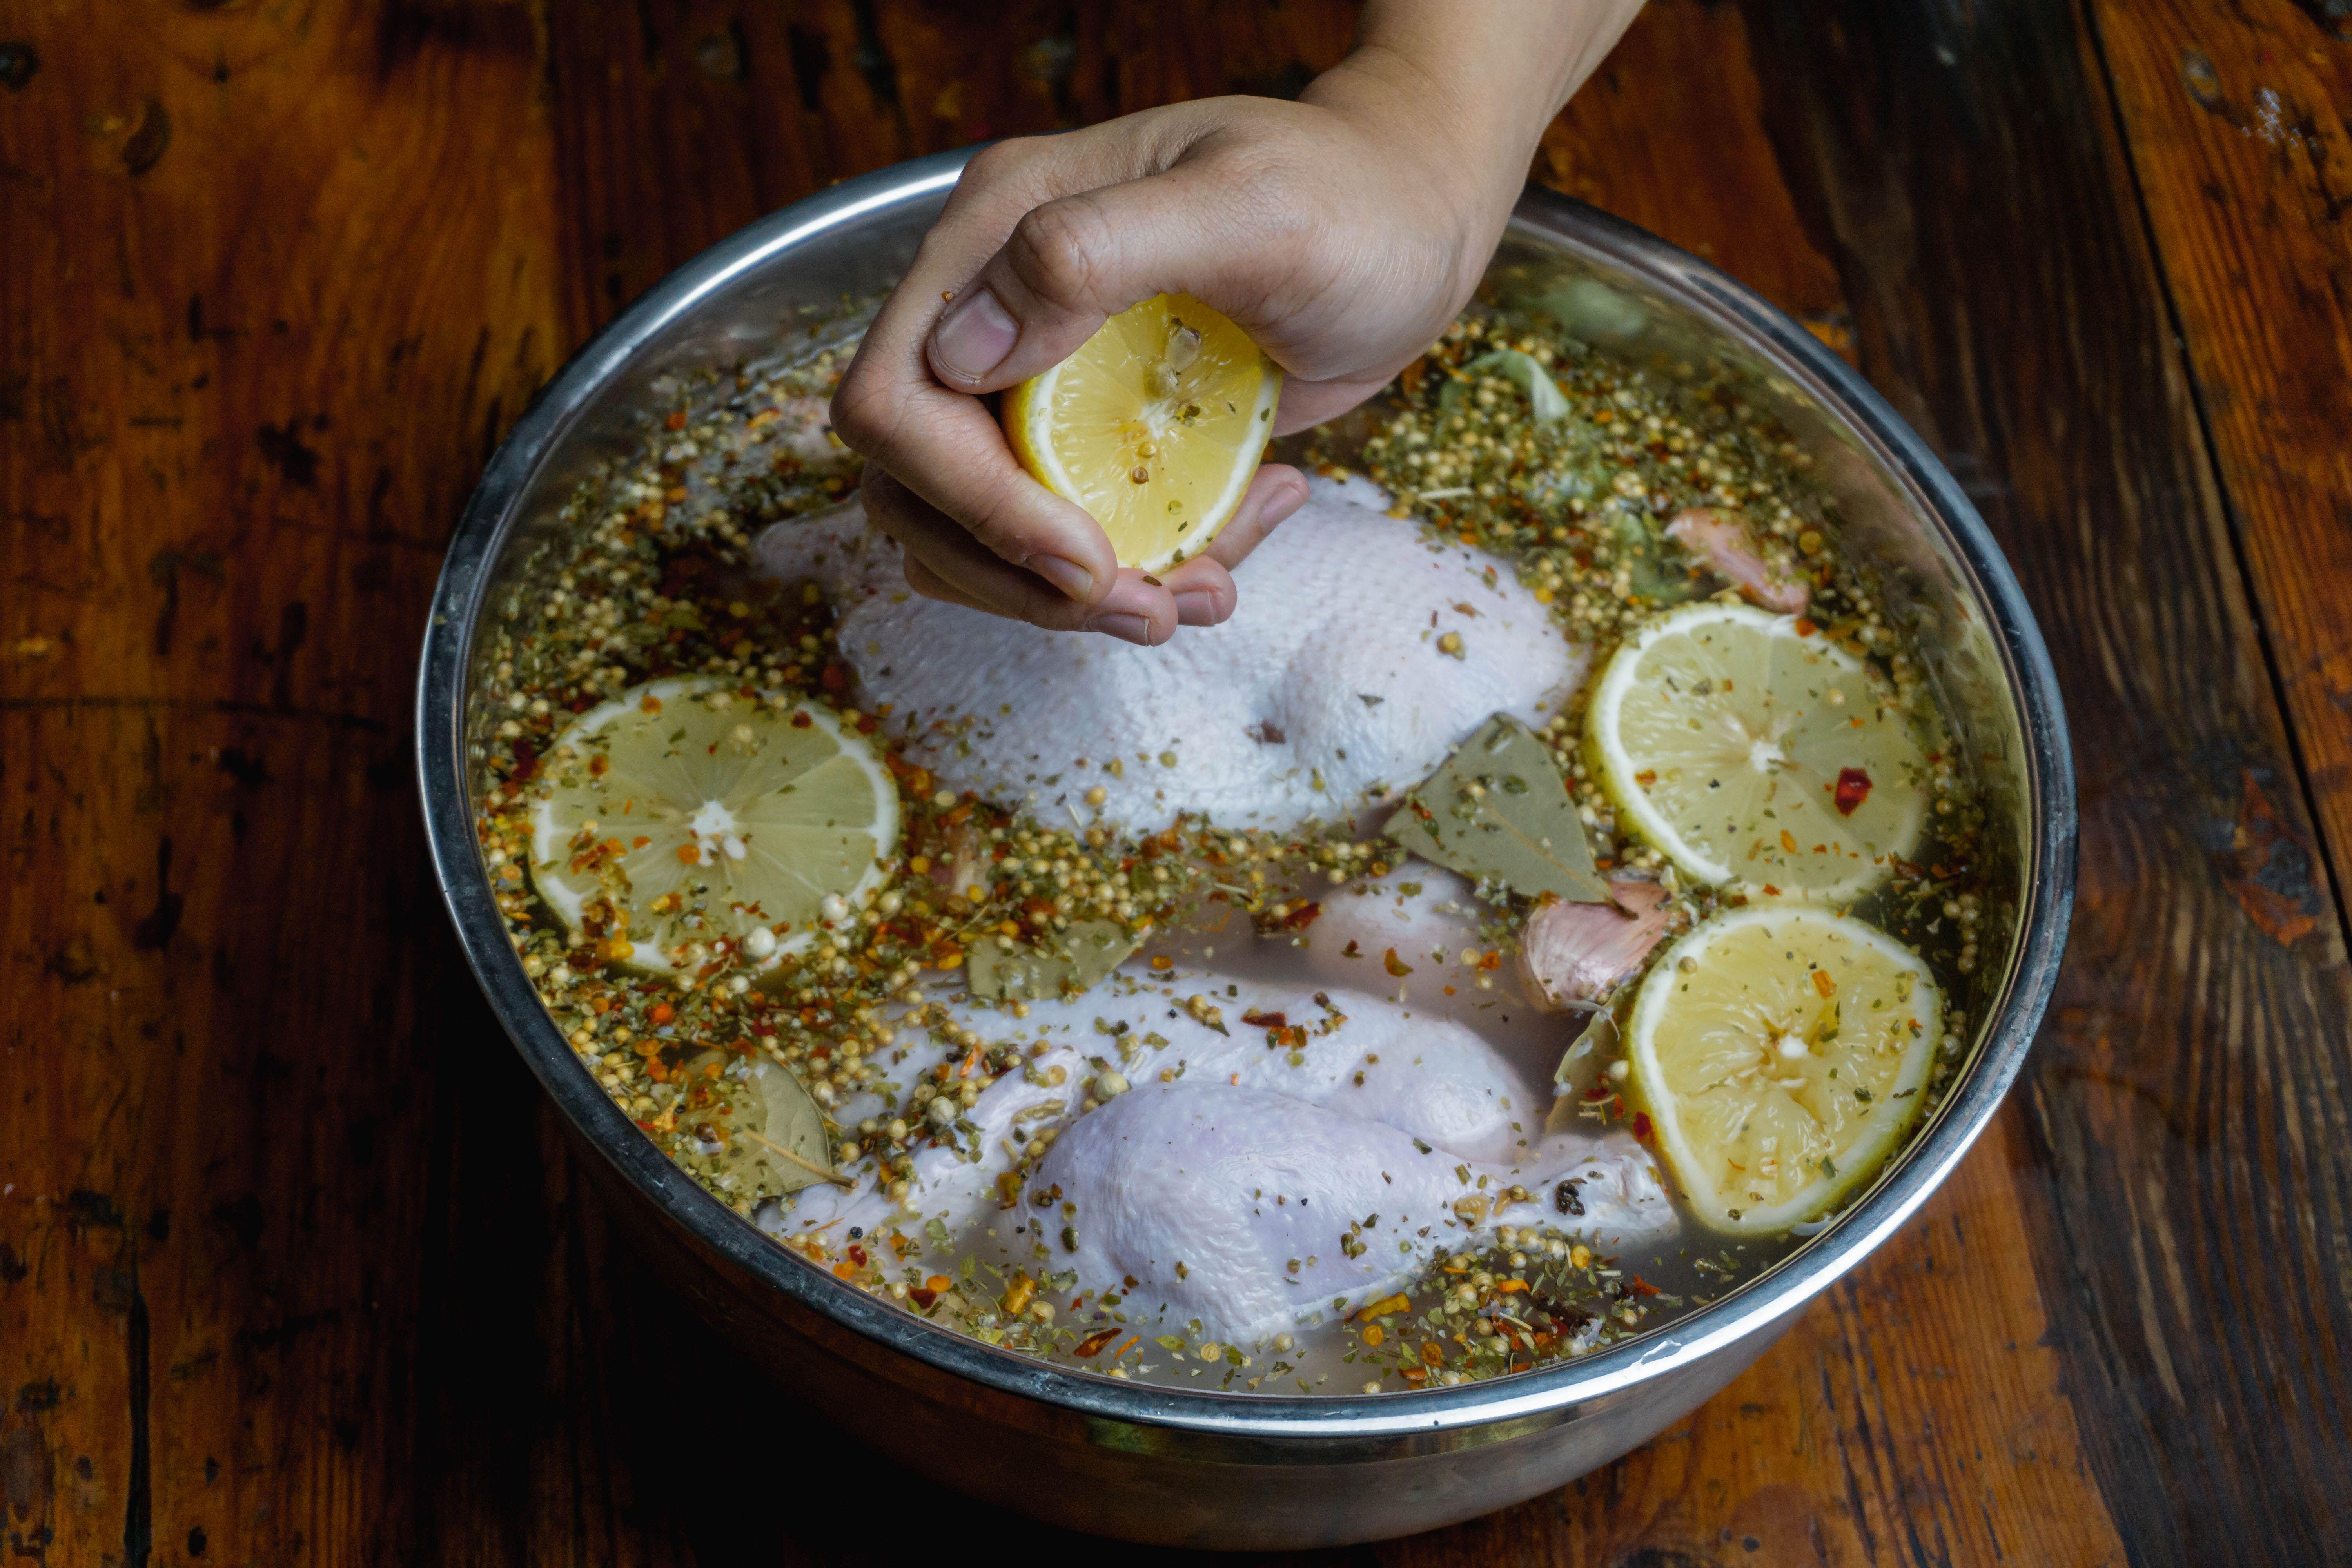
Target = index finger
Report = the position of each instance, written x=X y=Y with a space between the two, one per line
x=943 y=445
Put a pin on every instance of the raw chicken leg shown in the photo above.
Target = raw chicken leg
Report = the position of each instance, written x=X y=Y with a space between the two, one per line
x=1330 y=686
x=954 y=1182
x=1426 y=1077
x=1191 y=1170
x=1229 y=1205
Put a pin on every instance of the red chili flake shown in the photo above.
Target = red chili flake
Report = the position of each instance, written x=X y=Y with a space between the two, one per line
x=835 y=678
x=801 y=720
x=676 y=421
x=525 y=762
x=1302 y=917
x=1642 y=1287
x=857 y=1255
x=1257 y=1020
x=1853 y=789
x=1805 y=628
x=922 y=1298
x=1396 y=966
x=1642 y=1126
x=1089 y=1348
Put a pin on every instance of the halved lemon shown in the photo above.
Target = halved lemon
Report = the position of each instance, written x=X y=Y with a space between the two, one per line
x=1750 y=749
x=684 y=814
x=1155 y=427
x=1781 y=1052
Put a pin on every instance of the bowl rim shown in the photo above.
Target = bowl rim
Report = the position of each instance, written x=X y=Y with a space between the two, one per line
x=1759 y=1305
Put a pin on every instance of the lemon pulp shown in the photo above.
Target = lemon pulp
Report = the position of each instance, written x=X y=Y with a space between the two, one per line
x=1752 y=749
x=685 y=814
x=1154 y=427
x=1781 y=1051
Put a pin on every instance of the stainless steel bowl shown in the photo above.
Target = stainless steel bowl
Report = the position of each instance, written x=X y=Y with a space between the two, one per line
x=1208 y=1470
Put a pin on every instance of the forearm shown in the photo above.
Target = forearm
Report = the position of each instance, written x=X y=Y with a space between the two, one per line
x=1477 y=80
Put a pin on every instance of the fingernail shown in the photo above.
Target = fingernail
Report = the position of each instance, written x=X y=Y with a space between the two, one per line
x=973 y=337
x=1075 y=581
x=1127 y=628
x=1293 y=496
x=1196 y=609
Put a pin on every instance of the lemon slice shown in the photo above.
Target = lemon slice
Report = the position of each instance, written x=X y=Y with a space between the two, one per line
x=1781 y=1052
x=1750 y=750
x=701 y=815
x=1155 y=427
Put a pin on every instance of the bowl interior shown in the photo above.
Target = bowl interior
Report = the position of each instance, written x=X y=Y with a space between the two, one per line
x=804 y=278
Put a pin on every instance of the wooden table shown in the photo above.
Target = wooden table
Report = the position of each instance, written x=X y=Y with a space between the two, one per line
x=294 y=1268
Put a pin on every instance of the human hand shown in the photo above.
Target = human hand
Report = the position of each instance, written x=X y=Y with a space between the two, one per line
x=1342 y=232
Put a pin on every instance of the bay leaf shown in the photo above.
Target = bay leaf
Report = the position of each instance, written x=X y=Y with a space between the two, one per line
x=1545 y=402
x=1655 y=578
x=1580 y=1067
x=795 y=1139
x=1498 y=808
x=776 y=1140
x=1074 y=961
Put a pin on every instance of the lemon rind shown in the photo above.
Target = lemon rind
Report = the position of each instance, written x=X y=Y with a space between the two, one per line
x=1864 y=1159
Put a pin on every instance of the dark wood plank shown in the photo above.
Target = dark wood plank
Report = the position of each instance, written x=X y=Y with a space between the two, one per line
x=677 y=121
x=2236 y=122
x=242 y=391
x=2188 y=1188
x=1670 y=133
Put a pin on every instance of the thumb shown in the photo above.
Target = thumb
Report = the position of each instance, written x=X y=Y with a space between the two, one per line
x=1069 y=266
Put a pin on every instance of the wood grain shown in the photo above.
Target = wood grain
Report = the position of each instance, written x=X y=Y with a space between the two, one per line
x=2189 y=1184
x=246 y=391
x=295 y=1265
x=2237 y=132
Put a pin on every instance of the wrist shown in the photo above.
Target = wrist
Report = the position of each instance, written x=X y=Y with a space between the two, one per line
x=1472 y=87
x=1468 y=159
